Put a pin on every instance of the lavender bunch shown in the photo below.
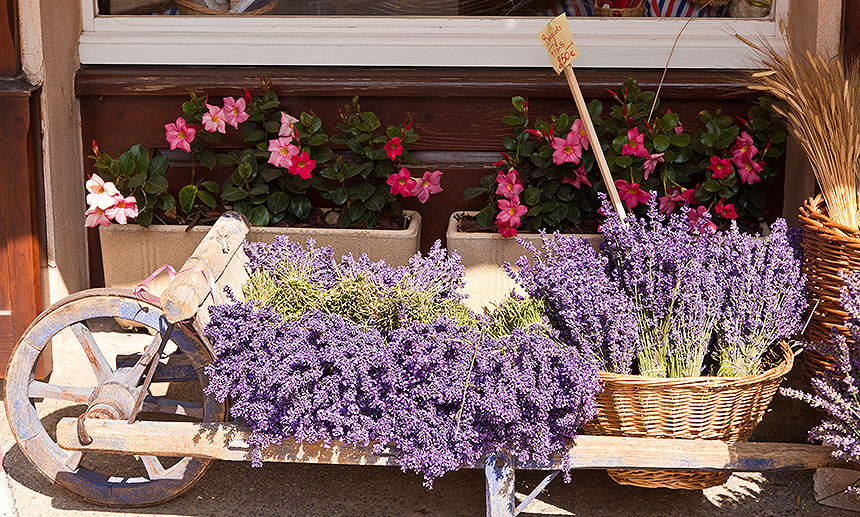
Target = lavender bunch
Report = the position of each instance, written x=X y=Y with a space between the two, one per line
x=669 y=273
x=589 y=310
x=837 y=391
x=765 y=296
x=314 y=378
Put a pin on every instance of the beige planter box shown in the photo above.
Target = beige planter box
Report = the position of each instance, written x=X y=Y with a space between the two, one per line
x=483 y=255
x=130 y=253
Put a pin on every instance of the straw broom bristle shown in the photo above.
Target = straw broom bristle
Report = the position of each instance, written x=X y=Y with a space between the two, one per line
x=823 y=100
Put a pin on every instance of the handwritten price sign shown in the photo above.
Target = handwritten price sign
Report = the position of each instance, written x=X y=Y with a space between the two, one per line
x=558 y=41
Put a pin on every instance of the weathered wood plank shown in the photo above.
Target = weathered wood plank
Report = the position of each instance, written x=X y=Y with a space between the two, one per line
x=43 y=390
x=499 y=490
x=227 y=441
x=97 y=360
x=191 y=286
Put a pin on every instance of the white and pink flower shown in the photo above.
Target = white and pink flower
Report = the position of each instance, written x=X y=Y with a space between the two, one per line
x=282 y=152
x=179 y=135
x=234 y=111
x=430 y=183
x=124 y=208
x=213 y=120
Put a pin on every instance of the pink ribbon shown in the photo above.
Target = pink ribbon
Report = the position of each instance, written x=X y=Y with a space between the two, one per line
x=141 y=292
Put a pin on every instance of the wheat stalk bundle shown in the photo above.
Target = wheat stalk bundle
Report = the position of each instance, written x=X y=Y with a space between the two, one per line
x=823 y=113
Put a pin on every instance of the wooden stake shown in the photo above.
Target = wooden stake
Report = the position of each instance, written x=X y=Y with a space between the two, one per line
x=614 y=198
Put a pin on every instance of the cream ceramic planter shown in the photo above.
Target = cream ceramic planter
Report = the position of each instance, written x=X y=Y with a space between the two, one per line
x=483 y=255
x=130 y=252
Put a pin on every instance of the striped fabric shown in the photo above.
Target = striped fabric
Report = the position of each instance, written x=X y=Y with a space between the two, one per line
x=654 y=8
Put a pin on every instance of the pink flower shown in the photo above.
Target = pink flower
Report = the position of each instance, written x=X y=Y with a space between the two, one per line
x=636 y=146
x=700 y=220
x=287 y=123
x=95 y=217
x=727 y=211
x=651 y=163
x=510 y=211
x=179 y=135
x=401 y=183
x=509 y=184
x=214 y=120
x=743 y=150
x=506 y=230
x=123 y=210
x=567 y=150
x=234 y=111
x=579 y=128
x=579 y=180
x=282 y=152
x=631 y=193
x=749 y=172
x=721 y=168
x=393 y=148
x=101 y=192
x=428 y=184
x=302 y=166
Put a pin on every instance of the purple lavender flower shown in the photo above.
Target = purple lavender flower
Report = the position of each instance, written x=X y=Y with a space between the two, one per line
x=669 y=273
x=765 y=296
x=837 y=391
x=589 y=310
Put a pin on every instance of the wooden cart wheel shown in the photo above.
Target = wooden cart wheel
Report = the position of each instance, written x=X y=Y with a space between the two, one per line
x=108 y=398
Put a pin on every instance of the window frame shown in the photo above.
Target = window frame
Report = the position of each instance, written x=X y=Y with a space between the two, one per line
x=706 y=43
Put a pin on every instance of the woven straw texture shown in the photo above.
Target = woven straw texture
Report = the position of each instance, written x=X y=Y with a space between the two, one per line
x=638 y=10
x=828 y=248
x=711 y=3
x=709 y=408
x=190 y=7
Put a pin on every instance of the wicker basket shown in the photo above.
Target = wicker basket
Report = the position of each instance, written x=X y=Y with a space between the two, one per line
x=828 y=248
x=710 y=408
x=638 y=10
x=190 y=7
x=711 y=3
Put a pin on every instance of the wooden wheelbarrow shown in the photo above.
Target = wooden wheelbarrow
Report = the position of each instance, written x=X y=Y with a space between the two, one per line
x=176 y=440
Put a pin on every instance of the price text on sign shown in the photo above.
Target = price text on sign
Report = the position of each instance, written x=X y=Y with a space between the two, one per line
x=558 y=41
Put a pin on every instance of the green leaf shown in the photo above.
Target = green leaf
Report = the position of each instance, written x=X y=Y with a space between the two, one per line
x=156 y=185
x=187 y=196
x=278 y=202
x=356 y=210
x=158 y=166
x=259 y=190
x=623 y=161
x=318 y=139
x=144 y=218
x=166 y=202
x=375 y=203
x=531 y=195
x=211 y=186
x=137 y=180
x=511 y=120
x=519 y=103
x=227 y=158
x=661 y=143
x=233 y=194
x=253 y=134
x=711 y=186
x=300 y=206
x=473 y=192
x=141 y=159
x=322 y=155
x=595 y=109
x=363 y=191
x=339 y=196
x=485 y=217
x=207 y=158
x=259 y=216
x=206 y=198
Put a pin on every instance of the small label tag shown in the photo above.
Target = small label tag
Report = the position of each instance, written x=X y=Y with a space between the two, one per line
x=559 y=44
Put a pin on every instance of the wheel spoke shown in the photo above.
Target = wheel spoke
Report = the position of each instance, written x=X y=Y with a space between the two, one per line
x=131 y=376
x=173 y=407
x=153 y=467
x=100 y=365
x=74 y=460
x=40 y=389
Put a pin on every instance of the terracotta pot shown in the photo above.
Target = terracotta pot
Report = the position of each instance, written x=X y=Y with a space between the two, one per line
x=130 y=252
x=483 y=254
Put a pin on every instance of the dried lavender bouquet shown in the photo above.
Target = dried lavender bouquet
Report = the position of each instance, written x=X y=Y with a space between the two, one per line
x=836 y=391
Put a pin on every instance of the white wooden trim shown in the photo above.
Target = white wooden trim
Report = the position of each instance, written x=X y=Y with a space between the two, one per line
x=339 y=41
x=88 y=14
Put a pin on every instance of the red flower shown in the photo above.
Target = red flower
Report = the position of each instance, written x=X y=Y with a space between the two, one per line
x=393 y=148
x=302 y=166
x=721 y=168
x=506 y=230
x=631 y=193
x=636 y=145
x=727 y=211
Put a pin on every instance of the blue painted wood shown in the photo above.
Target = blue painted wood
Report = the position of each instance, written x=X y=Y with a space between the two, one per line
x=536 y=492
x=499 y=471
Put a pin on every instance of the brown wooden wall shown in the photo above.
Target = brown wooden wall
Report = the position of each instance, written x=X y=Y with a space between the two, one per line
x=457 y=112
